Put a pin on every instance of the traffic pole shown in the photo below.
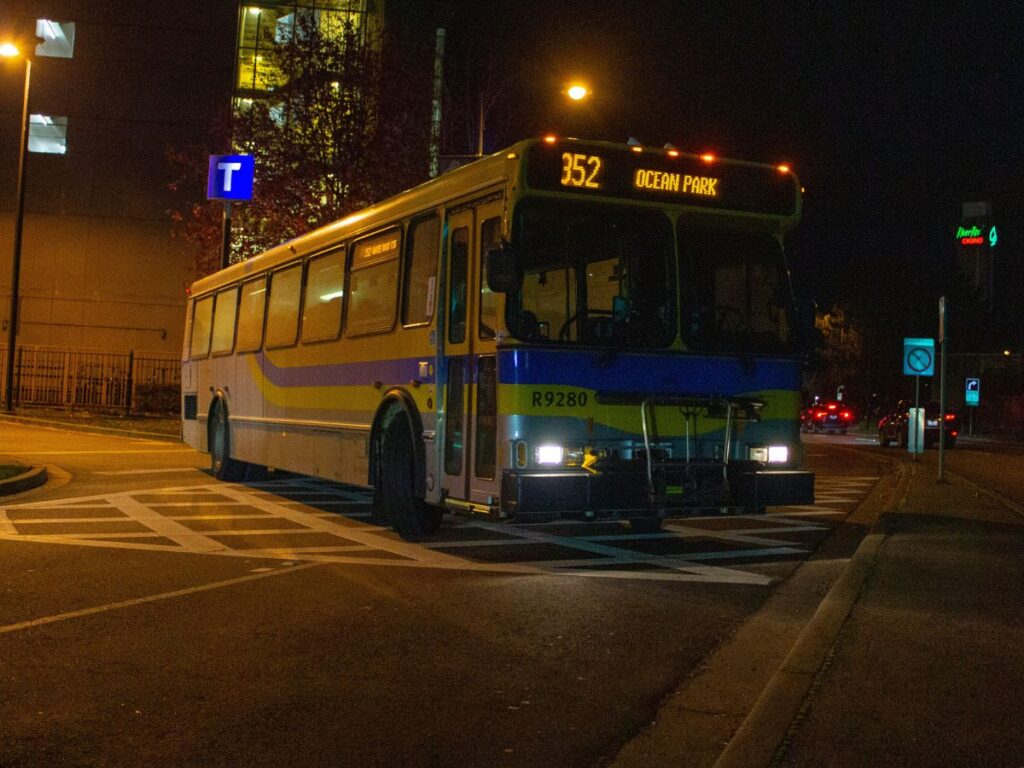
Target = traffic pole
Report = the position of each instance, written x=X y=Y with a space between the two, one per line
x=916 y=442
x=942 y=387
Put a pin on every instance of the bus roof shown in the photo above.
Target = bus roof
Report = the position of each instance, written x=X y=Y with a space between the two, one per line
x=613 y=171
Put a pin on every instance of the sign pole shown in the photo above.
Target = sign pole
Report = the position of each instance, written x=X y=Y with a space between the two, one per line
x=916 y=409
x=942 y=387
x=225 y=248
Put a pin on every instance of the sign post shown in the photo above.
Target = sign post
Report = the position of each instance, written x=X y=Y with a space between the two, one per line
x=972 y=398
x=230 y=178
x=918 y=361
x=942 y=388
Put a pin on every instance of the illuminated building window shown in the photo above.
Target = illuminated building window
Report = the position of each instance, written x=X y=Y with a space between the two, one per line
x=263 y=25
x=47 y=134
x=58 y=38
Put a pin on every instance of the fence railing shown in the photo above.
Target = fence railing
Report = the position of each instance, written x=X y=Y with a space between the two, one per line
x=67 y=378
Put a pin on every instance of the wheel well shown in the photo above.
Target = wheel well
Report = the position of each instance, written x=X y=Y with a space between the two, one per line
x=396 y=404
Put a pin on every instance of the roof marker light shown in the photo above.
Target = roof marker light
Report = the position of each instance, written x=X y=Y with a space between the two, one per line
x=550 y=139
x=708 y=157
x=782 y=168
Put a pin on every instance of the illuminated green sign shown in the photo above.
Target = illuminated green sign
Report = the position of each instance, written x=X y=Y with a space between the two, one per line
x=973 y=236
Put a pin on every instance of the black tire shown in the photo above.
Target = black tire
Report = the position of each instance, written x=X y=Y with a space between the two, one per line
x=222 y=466
x=396 y=501
x=883 y=441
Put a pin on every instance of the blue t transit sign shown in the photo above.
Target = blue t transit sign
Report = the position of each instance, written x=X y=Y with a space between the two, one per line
x=919 y=357
x=230 y=177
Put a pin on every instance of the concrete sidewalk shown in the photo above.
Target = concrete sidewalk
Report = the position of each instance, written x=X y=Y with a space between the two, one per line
x=910 y=652
x=928 y=668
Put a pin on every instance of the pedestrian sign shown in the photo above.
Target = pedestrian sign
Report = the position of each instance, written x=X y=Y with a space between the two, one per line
x=919 y=357
x=972 y=395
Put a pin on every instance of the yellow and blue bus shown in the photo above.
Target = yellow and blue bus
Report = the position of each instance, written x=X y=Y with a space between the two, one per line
x=562 y=329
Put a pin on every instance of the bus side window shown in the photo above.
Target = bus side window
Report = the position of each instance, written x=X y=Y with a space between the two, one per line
x=202 y=321
x=490 y=238
x=457 y=301
x=373 y=284
x=224 y=313
x=321 y=309
x=251 y=313
x=420 y=272
x=283 y=315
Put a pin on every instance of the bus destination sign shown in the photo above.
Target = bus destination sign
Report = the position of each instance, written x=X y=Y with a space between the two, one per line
x=620 y=173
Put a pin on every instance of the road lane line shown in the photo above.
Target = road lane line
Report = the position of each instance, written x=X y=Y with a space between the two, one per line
x=6 y=526
x=150 y=599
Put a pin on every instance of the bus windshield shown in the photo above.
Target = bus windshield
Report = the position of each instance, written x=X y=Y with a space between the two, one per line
x=594 y=275
x=736 y=291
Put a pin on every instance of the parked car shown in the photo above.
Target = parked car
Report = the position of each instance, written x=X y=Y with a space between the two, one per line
x=892 y=428
x=828 y=416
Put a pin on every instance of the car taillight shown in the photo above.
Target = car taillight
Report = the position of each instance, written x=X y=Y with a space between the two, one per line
x=846 y=416
x=950 y=416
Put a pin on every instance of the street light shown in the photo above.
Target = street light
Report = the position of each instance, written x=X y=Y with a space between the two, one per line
x=9 y=50
x=577 y=92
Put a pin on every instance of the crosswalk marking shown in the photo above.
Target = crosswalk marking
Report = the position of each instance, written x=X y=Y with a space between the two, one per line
x=186 y=519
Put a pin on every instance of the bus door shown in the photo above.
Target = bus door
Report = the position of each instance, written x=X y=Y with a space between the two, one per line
x=470 y=427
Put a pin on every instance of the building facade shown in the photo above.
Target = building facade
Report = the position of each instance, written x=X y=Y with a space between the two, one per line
x=99 y=266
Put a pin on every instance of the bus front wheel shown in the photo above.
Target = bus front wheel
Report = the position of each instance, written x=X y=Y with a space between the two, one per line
x=222 y=466
x=412 y=518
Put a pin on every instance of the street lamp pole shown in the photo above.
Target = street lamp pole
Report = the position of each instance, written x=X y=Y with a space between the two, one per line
x=19 y=219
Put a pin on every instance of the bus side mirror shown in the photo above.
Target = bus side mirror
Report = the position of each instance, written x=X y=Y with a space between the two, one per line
x=502 y=265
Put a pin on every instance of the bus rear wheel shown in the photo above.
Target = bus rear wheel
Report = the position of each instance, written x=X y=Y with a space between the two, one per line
x=222 y=466
x=412 y=518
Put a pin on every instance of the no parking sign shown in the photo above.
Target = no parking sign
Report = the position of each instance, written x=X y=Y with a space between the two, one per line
x=919 y=357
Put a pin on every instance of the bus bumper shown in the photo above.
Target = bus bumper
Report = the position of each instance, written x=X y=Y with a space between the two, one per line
x=578 y=493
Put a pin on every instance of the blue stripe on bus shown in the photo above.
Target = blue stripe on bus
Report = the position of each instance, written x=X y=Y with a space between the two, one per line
x=643 y=373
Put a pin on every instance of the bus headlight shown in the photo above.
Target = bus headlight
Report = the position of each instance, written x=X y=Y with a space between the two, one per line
x=769 y=454
x=550 y=455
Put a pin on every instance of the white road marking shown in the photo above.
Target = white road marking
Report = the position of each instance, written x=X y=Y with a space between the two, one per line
x=357 y=542
x=150 y=599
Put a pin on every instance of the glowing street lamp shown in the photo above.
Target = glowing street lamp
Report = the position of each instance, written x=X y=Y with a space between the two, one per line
x=9 y=50
x=577 y=92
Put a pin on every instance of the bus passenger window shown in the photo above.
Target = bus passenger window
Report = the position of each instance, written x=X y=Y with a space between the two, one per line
x=224 y=313
x=321 y=309
x=490 y=238
x=283 y=315
x=250 y=316
x=457 y=297
x=420 y=272
x=373 y=285
x=202 y=316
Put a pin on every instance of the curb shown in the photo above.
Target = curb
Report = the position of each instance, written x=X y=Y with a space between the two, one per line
x=26 y=481
x=764 y=731
x=87 y=428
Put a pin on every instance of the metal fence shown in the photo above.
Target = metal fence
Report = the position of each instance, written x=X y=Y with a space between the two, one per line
x=66 y=378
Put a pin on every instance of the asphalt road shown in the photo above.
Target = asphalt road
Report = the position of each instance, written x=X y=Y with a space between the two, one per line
x=152 y=616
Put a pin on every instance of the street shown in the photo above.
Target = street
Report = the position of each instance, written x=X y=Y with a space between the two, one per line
x=151 y=615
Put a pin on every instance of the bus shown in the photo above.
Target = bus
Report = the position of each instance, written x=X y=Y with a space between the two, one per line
x=565 y=328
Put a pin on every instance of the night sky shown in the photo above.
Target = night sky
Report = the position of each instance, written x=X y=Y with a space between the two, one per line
x=892 y=115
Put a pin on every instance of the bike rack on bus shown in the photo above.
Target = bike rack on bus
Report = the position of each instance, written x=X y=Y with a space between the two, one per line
x=711 y=403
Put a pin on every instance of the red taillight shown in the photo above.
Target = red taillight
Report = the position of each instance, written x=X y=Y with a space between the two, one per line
x=846 y=415
x=832 y=406
x=953 y=433
x=950 y=416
